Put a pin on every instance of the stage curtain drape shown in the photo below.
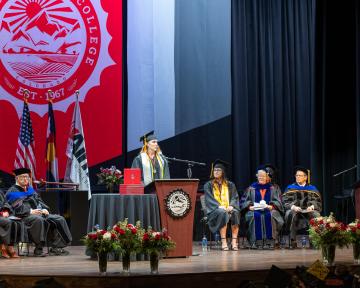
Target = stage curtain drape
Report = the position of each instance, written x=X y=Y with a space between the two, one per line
x=273 y=100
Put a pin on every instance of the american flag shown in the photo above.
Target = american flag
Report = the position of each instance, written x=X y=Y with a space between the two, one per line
x=25 y=150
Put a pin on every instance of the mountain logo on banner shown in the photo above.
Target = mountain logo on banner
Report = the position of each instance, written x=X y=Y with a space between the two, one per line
x=47 y=44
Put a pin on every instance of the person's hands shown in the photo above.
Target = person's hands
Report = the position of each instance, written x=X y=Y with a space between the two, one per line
x=295 y=208
x=230 y=208
x=222 y=207
x=269 y=207
x=35 y=212
x=310 y=208
x=45 y=212
x=5 y=214
x=251 y=208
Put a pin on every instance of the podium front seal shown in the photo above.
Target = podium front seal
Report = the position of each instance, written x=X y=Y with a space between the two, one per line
x=177 y=203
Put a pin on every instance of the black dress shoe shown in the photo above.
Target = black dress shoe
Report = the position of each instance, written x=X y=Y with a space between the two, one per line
x=38 y=252
x=293 y=244
x=253 y=246
x=58 y=252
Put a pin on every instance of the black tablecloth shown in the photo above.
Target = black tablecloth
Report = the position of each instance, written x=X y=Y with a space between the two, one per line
x=108 y=209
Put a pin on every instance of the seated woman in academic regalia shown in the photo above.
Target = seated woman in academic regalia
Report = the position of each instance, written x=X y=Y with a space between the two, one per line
x=222 y=204
x=151 y=161
x=302 y=202
x=262 y=206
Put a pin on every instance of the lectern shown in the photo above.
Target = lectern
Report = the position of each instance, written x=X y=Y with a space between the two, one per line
x=177 y=198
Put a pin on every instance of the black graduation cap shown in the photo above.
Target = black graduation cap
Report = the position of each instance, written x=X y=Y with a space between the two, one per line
x=304 y=170
x=20 y=171
x=148 y=137
x=218 y=163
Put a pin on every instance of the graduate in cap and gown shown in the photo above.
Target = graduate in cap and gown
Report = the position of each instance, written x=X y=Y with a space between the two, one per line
x=44 y=228
x=263 y=209
x=151 y=161
x=222 y=204
x=302 y=202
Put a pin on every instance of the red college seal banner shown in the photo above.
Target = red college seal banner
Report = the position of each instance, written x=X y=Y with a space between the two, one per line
x=62 y=46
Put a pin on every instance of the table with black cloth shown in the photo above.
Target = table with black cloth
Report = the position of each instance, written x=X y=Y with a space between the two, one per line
x=108 y=209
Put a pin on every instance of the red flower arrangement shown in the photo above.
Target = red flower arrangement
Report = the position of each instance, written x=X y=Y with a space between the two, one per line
x=326 y=231
x=101 y=241
x=128 y=236
x=110 y=176
x=154 y=241
x=353 y=230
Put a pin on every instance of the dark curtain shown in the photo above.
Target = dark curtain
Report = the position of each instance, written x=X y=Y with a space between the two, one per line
x=273 y=99
x=336 y=98
x=295 y=91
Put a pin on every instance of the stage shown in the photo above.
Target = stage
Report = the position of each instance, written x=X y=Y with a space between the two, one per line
x=217 y=267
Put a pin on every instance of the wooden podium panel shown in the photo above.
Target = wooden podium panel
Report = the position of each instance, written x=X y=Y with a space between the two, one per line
x=180 y=229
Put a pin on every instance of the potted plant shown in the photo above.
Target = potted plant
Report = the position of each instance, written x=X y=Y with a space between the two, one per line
x=101 y=242
x=110 y=177
x=155 y=244
x=327 y=233
x=128 y=237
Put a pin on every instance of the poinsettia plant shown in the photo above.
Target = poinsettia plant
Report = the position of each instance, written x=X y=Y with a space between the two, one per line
x=128 y=236
x=110 y=176
x=326 y=231
x=101 y=240
x=353 y=230
x=154 y=241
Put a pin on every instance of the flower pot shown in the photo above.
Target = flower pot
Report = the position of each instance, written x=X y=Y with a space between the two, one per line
x=154 y=262
x=126 y=262
x=328 y=254
x=356 y=253
x=102 y=261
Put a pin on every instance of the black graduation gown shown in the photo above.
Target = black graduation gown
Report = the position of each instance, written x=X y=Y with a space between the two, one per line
x=158 y=174
x=217 y=217
x=303 y=197
x=276 y=222
x=51 y=230
x=11 y=231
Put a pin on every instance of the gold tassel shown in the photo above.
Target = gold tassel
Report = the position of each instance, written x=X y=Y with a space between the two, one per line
x=212 y=171
x=308 y=178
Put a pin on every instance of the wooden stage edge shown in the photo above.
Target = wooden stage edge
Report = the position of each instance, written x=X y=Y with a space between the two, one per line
x=218 y=268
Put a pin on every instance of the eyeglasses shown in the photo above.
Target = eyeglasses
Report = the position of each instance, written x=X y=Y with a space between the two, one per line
x=23 y=177
x=299 y=175
x=217 y=169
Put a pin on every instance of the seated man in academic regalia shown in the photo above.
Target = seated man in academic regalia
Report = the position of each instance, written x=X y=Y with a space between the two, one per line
x=151 y=161
x=10 y=230
x=302 y=202
x=222 y=205
x=43 y=227
x=263 y=208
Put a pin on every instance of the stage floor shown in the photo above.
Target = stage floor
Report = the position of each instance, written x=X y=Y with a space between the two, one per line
x=77 y=263
x=215 y=266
